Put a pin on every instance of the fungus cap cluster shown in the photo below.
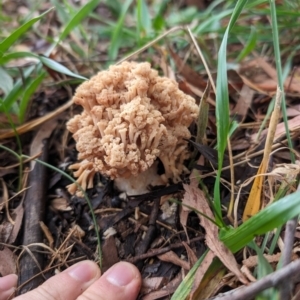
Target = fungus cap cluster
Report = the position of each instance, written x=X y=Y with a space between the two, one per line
x=131 y=117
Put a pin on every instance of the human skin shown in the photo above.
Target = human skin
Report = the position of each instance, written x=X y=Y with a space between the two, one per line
x=82 y=281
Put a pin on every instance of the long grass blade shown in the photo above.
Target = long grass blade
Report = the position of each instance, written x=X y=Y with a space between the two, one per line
x=273 y=216
x=8 y=42
x=222 y=103
x=115 y=40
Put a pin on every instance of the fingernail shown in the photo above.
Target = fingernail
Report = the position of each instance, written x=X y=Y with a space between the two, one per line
x=83 y=271
x=121 y=274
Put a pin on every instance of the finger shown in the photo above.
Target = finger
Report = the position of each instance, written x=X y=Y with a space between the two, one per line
x=121 y=281
x=67 y=285
x=7 y=286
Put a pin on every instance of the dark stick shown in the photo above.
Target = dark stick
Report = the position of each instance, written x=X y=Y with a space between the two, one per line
x=34 y=209
x=289 y=272
x=145 y=243
x=289 y=236
x=159 y=251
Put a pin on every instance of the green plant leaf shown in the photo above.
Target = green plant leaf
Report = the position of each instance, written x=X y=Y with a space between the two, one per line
x=54 y=65
x=15 y=55
x=17 y=90
x=50 y=63
x=187 y=283
x=273 y=216
x=6 y=82
x=250 y=45
x=79 y=16
x=143 y=18
x=30 y=89
x=158 y=22
x=7 y=43
x=263 y=269
x=84 y=11
x=116 y=36
x=222 y=104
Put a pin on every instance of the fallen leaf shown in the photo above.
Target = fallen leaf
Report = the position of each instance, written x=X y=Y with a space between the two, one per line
x=8 y=262
x=152 y=284
x=263 y=77
x=172 y=257
x=195 y=198
x=254 y=200
x=243 y=103
x=191 y=254
x=201 y=271
x=293 y=125
x=167 y=291
x=109 y=253
x=17 y=215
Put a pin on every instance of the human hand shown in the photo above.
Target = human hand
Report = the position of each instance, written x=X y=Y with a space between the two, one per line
x=82 y=281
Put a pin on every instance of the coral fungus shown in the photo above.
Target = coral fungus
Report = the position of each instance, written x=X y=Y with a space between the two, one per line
x=131 y=117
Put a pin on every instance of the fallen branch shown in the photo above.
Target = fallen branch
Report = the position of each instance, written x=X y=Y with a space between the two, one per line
x=289 y=272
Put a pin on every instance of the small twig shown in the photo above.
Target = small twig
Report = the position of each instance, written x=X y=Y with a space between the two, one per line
x=290 y=229
x=34 y=205
x=155 y=252
x=176 y=28
x=145 y=243
x=289 y=272
x=202 y=58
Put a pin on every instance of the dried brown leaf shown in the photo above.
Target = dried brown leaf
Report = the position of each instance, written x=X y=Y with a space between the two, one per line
x=167 y=291
x=109 y=253
x=243 y=103
x=200 y=274
x=263 y=76
x=252 y=261
x=191 y=254
x=172 y=257
x=8 y=262
x=47 y=234
x=153 y=284
x=195 y=198
x=17 y=215
x=293 y=124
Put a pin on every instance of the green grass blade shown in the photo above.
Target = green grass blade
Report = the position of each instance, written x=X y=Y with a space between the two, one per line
x=60 y=10
x=6 y=82
x=186 y=285
x=79 y=16
x=222 y=104
x=74 y=22
x=116 y=36
x=158 y=22
x=279 y=74
x=6 y=44
x=210 y=24
x=17 y=90
x=263 y=269
x=31 y=88
x=250 y=45
x=15 y=55
x=54 y=65
x=143 y=19
x=273 y=216
x=20 y=85
x=50 y=63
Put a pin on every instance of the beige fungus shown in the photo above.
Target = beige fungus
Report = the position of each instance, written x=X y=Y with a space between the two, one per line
x=131 y=117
